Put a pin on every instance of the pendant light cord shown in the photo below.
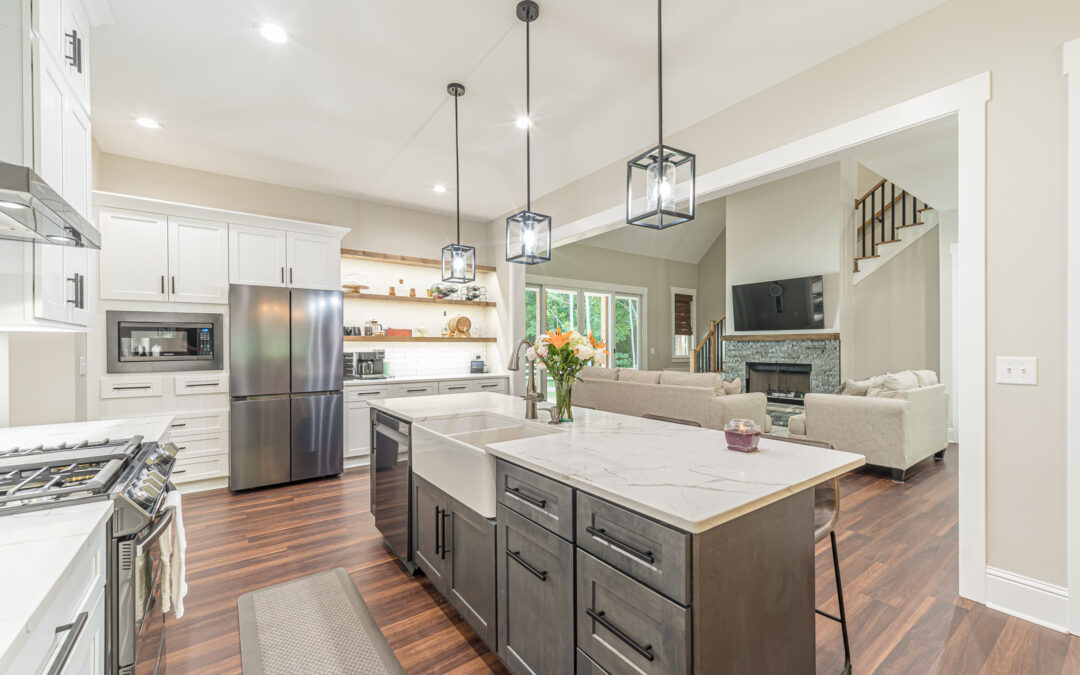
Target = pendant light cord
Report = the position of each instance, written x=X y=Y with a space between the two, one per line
x=457 y=170
x=660 y=78
x=528 y=127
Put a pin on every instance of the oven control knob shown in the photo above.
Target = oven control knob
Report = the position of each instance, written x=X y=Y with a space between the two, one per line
x=141 y=496
x=162 y=454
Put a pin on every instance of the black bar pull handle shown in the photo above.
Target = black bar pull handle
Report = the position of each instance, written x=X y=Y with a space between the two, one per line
x=163 y=284
x=516 y=555
x=282 y=275
x=173 y=281
x=445 y=515
x=600 y=618
x=602 y=535
x=140 y=386
x=438 y=520
x=532 y=501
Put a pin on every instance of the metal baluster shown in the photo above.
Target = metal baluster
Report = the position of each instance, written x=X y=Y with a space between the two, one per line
x=862 y=224
x=903 y=208
x=873 y=195
x=882 y=217
x=892 y=212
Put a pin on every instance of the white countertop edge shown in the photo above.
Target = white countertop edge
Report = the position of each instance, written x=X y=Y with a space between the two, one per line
x=15 y=640
x=151 y=428
x=693 y=527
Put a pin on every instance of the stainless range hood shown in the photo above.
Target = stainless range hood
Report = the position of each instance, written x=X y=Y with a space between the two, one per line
x=30 y=210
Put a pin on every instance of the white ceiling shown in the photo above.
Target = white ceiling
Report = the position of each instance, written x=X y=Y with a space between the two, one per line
x=355 y=103
x=924 y=161
x=690 y=245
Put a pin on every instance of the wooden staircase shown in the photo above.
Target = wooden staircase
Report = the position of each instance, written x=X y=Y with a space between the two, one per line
x=708 y=356
x=890 y=218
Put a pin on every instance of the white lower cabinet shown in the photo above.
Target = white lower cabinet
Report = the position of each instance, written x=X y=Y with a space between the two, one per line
x=496 y=385
x=357 y=430
x=202 y=440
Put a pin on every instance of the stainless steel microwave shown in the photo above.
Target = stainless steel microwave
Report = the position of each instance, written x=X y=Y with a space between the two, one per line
x=141 y=342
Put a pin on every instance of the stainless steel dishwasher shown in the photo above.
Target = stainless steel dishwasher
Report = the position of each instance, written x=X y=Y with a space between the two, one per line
x=391 y=484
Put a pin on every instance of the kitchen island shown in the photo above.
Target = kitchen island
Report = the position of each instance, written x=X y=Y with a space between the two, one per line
x=614 y=543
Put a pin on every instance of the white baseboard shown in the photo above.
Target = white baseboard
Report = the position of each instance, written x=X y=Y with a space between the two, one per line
x=1027 y=599
x=953 y=436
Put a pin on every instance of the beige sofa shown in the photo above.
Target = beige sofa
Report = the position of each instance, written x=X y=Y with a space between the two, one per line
x=891 y=422
x=697 y=398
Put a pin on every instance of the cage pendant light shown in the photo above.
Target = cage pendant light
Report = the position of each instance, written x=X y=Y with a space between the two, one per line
x=528 y=234
x=660 y=181
x=458 y=261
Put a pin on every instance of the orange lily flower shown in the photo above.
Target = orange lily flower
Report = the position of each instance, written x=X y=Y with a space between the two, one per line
x=597 y=345
x=557 y=339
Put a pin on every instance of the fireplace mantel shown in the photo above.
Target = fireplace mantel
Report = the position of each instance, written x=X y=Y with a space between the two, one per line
x=775 y=337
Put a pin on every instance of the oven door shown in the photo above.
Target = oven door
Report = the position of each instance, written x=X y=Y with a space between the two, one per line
x=149 y=617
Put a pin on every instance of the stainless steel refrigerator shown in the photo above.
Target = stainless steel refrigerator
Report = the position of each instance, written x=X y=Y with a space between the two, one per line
x=285 y=380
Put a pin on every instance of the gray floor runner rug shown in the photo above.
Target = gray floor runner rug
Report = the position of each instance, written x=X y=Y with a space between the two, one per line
x=314 y=624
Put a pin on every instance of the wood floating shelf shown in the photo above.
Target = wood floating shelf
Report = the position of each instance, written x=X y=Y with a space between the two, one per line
x=776 y=337
x=402 y=338
x=372 y=256
x=427 y=301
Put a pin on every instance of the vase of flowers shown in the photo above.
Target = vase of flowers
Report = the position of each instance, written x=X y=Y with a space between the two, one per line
x=564 y=355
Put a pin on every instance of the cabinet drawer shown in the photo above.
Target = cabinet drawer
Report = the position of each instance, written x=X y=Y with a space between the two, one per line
x=536 y=596
x=210 y=422
x=455 y=387
x=368 y=393
x=586 y=666
x=192 y=469
x=654 y=554
x=202 y=446
x=547 y=503
x=131 y=387
x=625 y=627
x=418 y=389
x=189 y=385
x=497 y=386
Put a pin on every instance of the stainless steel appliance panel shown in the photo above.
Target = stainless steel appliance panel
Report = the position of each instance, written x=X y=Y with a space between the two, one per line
x=390 y=484
x=260 y=443
x=259 y=340
x=317 y=443
x=146 y=342
x=317 y=361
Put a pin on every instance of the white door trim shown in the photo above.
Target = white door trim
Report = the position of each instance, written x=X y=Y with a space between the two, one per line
x=1071 y=70
x=967 y=100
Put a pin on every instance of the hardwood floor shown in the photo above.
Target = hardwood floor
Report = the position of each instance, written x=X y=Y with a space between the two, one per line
x=898 y=557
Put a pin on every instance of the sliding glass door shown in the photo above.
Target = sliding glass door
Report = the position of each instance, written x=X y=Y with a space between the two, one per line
x=613 y=317
x=626 y=347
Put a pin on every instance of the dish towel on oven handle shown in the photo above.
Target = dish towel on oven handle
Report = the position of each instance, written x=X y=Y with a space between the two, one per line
x=173 y=552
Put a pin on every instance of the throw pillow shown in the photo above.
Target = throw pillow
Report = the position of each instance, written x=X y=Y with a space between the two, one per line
x=713 y=381
x=855 y=388
x=874 y=385
x=597 y=373
x=894 y=383
x=733 y=387
x=639 y=376
x=926 y=378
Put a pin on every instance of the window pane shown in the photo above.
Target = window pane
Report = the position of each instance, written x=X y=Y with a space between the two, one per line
x=597 y=315
x=532 y=313
x=682 y=346
x=561 y=310
x=627 y=329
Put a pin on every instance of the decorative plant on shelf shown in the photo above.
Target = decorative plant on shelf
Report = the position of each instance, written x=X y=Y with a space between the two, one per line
x=564 y=355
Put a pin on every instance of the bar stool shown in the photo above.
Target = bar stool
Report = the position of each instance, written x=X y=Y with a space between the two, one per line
x=826 y=513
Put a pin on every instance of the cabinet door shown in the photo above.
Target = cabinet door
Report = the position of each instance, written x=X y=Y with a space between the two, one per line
x=314 y=261
x=75 y=50
x=471 y=573
x=256 y=256
x=49 y=117
x=52 y=290
x=536 y=596
x=48 y=23
x=198 y=261
x=358 y=430
x=429 y=529
x=76 y=267
x=76 y=154
x=134 y=255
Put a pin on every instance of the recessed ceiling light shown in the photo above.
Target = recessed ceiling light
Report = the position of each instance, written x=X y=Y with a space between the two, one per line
x=147 y=123
x=523 y=122
x=274 y=33
x=439 y=188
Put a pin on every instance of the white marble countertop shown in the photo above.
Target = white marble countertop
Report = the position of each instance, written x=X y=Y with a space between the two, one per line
x=38 y=550
x=150 y=428
x=680 y=475
x=423 y=378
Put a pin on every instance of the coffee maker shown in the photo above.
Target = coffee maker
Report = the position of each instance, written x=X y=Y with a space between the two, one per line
x=369 y=365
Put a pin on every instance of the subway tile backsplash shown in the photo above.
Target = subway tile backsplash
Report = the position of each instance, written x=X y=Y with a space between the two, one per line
x=423 y=359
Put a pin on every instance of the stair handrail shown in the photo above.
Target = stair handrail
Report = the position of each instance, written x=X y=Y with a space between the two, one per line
x=889 y=195
x=706 y=357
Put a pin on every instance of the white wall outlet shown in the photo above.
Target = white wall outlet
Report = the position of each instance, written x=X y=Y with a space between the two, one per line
x=652 y=350
x=82 y=365
x=1017 y=370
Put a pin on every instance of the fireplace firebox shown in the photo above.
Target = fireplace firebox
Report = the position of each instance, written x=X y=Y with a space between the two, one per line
x=780 y=382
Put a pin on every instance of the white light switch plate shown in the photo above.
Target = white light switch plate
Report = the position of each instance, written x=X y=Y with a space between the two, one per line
x=1017 y=370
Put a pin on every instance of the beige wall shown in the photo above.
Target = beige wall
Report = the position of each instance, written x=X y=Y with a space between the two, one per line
x=895 y=314
x=712 y=285
x=45 y=384
x=375 y=227
x=1020 y=45
x=590 y=263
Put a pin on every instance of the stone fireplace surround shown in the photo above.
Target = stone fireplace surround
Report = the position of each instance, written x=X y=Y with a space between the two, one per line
x=820 y=350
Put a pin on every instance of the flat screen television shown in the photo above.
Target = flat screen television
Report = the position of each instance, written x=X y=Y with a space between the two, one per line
x=786 y=304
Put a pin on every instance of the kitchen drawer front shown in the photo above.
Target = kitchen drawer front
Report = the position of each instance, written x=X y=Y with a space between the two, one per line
x=79 y=592
x=547 y=503
x=496 y=386
x=131 y=387
x=190 y=469
x=209 y=422
x=654 y=554
x=201 y=446
x=368 y=392
x=189 y=385
x=535 y=572
x=625 y=627
x=456 y=387
x=586 y=666
x=417 y=389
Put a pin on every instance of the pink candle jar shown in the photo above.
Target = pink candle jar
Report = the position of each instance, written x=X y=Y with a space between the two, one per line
x=742 y=435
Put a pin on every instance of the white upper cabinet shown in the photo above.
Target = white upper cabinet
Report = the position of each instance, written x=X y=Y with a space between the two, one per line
x=134 y=255
x=146 y=256
x=257 y=256
x=60 y=284
x=314 y=261
x=198 y=261
x=77 y=157
x=64 y=30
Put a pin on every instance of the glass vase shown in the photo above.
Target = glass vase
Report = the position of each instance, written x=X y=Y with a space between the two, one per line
x=563 y=388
